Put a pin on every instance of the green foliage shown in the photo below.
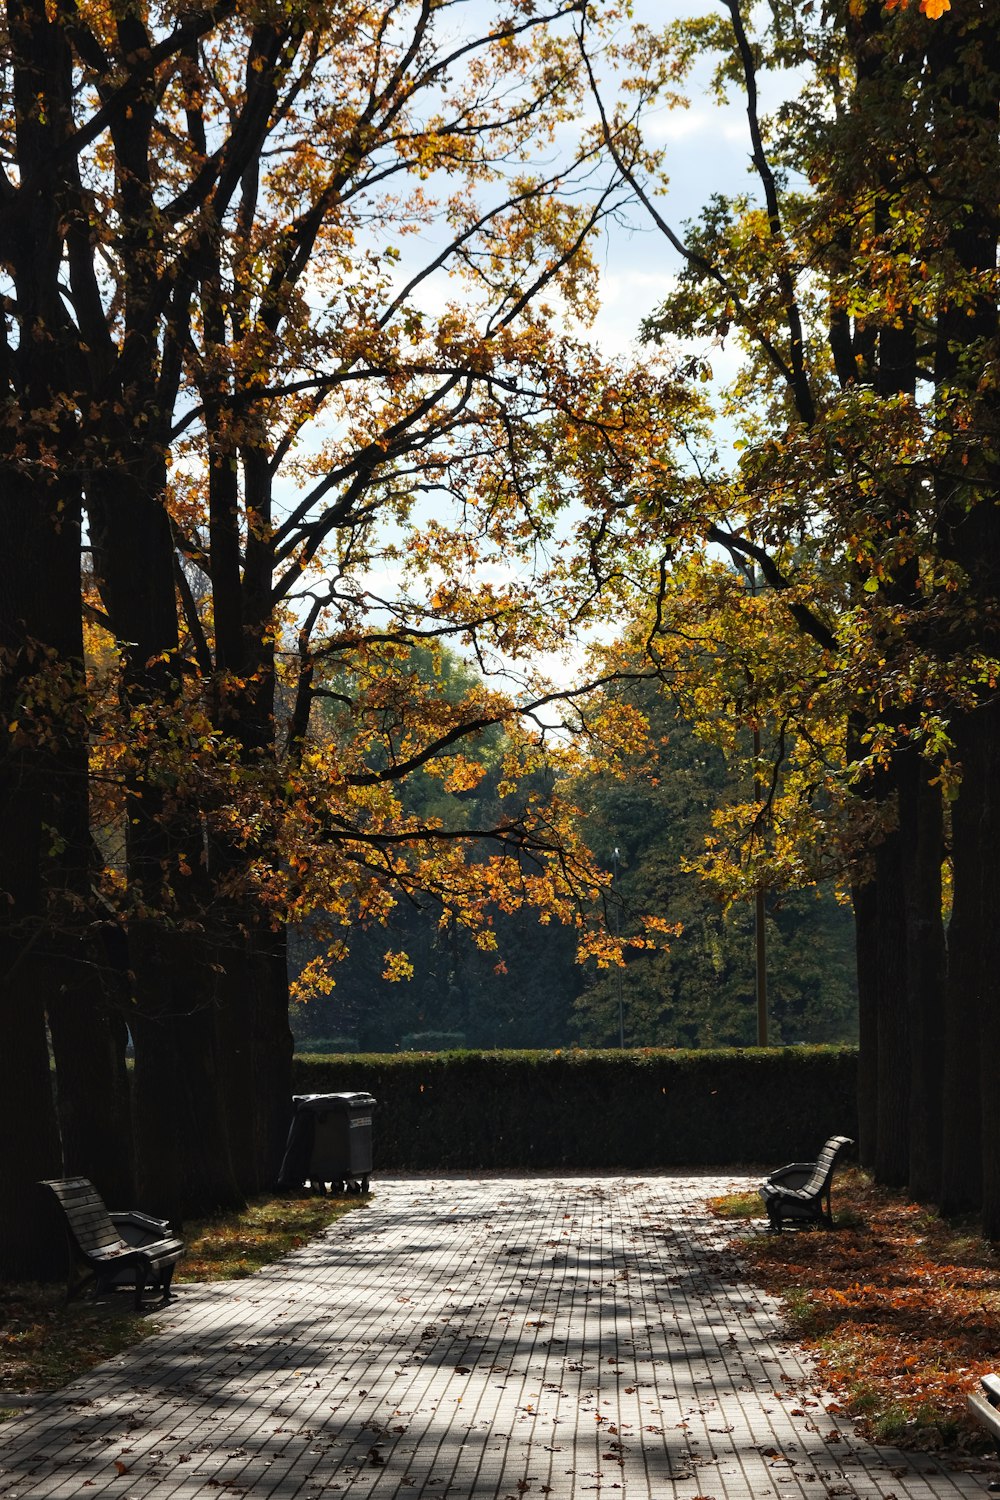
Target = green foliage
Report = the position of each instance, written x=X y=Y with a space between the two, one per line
x=659 y=812
x=335 y=1044
x=596 y=1110
x=737 y=1206
x=432 y=1041
x=518 y=994
x=530 y=992
x=230 y=1247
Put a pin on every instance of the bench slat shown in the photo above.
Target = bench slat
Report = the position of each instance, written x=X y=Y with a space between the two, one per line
x=986 y=1415
x=808 y=1200
x=101 y=1247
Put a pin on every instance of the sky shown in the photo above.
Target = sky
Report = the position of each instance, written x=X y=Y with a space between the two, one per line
x=707 y=152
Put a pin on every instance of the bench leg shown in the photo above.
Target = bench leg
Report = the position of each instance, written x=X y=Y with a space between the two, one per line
x=165 y=1281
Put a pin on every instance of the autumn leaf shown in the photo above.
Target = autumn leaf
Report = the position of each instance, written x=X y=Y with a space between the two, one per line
x=899 y=1310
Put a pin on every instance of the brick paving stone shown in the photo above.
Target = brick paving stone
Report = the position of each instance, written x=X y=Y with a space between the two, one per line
x=503 y=1337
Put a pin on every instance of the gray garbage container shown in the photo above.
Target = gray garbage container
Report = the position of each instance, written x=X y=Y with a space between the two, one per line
x=329 y=1142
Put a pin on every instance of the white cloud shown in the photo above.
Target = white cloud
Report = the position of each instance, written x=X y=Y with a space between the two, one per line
x=721 y=124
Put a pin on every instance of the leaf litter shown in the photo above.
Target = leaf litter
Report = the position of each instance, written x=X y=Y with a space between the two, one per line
x=900 y=1308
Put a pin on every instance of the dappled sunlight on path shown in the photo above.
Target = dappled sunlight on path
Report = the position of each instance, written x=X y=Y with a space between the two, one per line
x=561 y=1336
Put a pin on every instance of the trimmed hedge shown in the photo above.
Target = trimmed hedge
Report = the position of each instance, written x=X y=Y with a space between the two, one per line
x=432 y=1041
x=326 y=1044
x=589 y=1110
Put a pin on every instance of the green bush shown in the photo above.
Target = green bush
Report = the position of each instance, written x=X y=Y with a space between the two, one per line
x=590 y=1110
x=432 y=1041
x=324 y=1044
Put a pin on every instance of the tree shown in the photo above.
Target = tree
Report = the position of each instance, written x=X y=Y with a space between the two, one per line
x=865 y=492
x=496 y=975
x=662 y=809
x=224 y=241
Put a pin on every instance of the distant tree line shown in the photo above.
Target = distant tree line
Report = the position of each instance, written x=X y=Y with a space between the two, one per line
x=531 y=992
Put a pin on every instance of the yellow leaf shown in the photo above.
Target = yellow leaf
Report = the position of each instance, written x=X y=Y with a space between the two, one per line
x=397 y=967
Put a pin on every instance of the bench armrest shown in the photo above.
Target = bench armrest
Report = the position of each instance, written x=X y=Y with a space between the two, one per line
x=796 y=1174
x=991 y=1388
x=141 y=1224
x=985 y=1414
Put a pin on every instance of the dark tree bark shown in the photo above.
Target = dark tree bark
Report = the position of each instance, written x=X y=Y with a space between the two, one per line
x=964 y=57
x=182 y=1124
x=182 y=1127
x=43 y=801
x=37 y=781
x=273 y=1049
x=864 y=900
x=922 y=850
x=89 y=1039
x=43 y=748
x=892 y=1144
x=971 y=986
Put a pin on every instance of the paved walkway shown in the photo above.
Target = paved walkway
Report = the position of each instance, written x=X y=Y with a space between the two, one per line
x=507 y=1337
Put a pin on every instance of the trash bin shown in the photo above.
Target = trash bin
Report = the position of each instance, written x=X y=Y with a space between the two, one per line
x=329 y=1143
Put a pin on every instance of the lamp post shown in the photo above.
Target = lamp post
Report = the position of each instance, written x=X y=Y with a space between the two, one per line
x=759 y=914
x=618 y=933
x=749 y=572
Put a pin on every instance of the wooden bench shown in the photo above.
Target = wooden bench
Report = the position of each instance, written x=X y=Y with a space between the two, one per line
x=800 y=1193
x=986 y=1410
x=116 y=1249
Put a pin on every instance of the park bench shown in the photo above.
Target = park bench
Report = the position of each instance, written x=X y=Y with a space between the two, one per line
x=116 y=1248
x=800 y=1193
x=986 y=1410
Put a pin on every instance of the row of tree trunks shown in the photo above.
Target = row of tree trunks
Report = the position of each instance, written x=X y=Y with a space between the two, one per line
x=971 y=985
x=901 y=973
x=964 y=64
x=86 y=1007
x=921 y=838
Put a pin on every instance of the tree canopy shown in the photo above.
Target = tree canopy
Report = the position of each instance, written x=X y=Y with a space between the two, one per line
x=299 y=393
x=291 y=359
x=857 y=277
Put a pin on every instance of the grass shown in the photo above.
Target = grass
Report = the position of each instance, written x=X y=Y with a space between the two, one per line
x=46 y=1342
x=900 y=1307
x=737 y=1206
x=229 y=1247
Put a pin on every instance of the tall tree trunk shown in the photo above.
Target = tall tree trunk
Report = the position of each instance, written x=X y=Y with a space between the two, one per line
x=964 y=60
x=32 y=1245
x=182 y=1127
x=257 y=976
x=922 y=850
x=43 y=742
x=864 y=899
x=89 y=1039
x=892 y=1145
x=28 y=1128
x=237 y=1034
x=273 y=1048
x=970 y=1157
x=982 y=809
